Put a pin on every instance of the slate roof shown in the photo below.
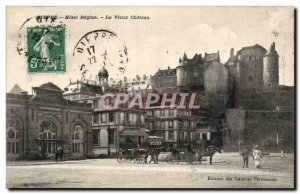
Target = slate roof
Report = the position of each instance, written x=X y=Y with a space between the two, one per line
x=211 y=56
x=49 y=87
x=165 y=72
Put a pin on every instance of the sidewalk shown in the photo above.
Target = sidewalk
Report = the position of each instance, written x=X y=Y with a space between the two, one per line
x=43 y=162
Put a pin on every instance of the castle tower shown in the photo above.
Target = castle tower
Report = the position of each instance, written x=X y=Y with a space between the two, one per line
x=271 y=69
x=181 y=72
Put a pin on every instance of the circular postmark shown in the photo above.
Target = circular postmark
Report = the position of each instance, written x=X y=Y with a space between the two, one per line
x=41 y=40
x=99 y=50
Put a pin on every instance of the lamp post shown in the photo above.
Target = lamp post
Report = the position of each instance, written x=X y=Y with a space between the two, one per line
x=108 y=142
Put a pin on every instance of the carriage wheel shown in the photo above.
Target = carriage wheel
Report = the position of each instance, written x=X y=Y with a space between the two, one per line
x=141 y=160
x=120 y=159
x=169 y=159
x=194 y=160
x=127 y=160
x=191 y=160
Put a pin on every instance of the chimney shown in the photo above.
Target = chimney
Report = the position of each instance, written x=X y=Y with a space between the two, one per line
x=231 y=52
x=168 y=67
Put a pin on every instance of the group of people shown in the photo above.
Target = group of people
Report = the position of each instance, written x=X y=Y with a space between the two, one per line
x=256 y=154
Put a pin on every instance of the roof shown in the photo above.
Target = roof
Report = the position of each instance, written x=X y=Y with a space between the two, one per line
x=251 y=47
x=165 y=72
x=272 y=50
x=16 y=89
x=81 y=87
x=232 y=60
x=49 y=87
x=103 y=73
x=211 y=56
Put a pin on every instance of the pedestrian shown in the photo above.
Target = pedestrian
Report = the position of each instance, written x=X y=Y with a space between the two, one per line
x=245 y=153
x=61 y=153
x=56 y=154
x=281 y=153
x=257 y=156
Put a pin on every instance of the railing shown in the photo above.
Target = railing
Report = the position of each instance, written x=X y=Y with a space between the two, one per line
x=132 y=123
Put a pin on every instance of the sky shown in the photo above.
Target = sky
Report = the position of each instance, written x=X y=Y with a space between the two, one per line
x=157 y=42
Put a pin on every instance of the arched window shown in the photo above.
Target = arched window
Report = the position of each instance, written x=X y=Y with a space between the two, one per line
x=48 y=136
x=77 y=139
x=12 y=133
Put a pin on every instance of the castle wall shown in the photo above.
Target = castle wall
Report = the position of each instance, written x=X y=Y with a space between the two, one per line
x=259 y=127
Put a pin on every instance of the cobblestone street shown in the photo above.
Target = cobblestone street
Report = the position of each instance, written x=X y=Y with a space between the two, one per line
x=226 y=172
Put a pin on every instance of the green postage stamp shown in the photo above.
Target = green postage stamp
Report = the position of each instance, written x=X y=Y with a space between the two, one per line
x=46 y=49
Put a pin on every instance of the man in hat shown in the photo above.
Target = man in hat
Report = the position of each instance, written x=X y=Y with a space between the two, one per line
x=245 y=153
x=257 y=156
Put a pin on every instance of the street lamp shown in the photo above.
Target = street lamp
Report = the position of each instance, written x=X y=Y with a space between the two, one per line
x=108 y=142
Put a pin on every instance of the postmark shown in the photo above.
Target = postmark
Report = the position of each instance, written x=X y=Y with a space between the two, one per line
x=97 y=49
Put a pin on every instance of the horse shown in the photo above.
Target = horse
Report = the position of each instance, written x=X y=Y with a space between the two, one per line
x=154 y=152
x=210 y=151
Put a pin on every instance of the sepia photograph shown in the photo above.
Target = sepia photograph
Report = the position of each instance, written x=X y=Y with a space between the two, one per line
x=164 y=97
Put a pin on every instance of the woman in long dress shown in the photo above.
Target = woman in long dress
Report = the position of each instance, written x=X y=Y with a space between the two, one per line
x=42 y=46
x=257 y=156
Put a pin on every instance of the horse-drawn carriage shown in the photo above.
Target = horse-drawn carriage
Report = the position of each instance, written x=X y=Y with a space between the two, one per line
x=152 y=147
x=190 y=156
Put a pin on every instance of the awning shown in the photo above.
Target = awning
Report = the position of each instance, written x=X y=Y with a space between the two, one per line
x=133 y=132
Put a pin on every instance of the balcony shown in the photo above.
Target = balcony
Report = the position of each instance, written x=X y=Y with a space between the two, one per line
x=132 y=123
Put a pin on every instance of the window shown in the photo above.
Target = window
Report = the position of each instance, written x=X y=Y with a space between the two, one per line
x=111 y=136
x=77 y=139
x=48 y=135
x=198 y=136
x=204 y=136
x=163 y=134
x=13 y=136
x=151 y=125
x=162 y=113
x=179 y=125
x=162 y=125
x=126 y=116
x=111 y=117
x=103 y=118
x=32 y=114
x=171 y=112
x=96 y=118
x=96 y=137
x=139 y=118
x=67 y=117
x=96 y=105
x=183 y=135
x=171 y=135
x=171 y=124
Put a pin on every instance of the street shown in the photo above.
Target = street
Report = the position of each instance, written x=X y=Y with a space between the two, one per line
x=226 y=172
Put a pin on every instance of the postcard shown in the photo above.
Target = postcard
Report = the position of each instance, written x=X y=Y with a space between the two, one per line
x=150 y=97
